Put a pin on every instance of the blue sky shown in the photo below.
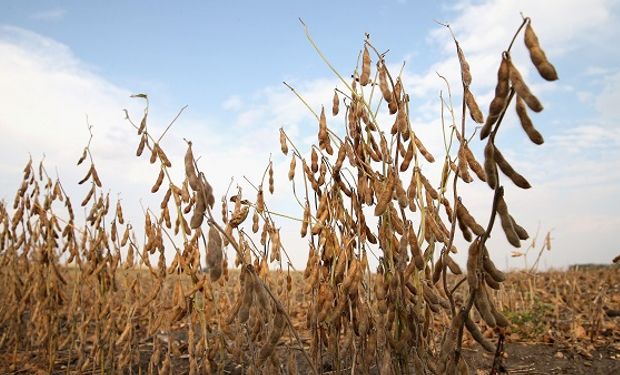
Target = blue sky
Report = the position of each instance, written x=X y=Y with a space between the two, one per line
x=226 y=60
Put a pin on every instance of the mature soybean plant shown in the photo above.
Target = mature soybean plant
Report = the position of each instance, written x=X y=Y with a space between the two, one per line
x=91 y=298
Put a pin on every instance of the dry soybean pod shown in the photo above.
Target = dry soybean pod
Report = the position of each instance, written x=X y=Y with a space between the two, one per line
x=489 y=267
x=464 y=215
x=477 y=335
x=214 y=254
x=365 y=76
x=160 y=179
x=509 y=230
x=386 y=194
x=526 y=123
x=499 y=101
x=490 y=168
x=537 y=55
x=483 y=305
x=474 y=165
x=335 y=104
x=521 y=232
x=472 y=264
x=523 y=90
x=474 y=109
x=452 y=265
x=507 y=169
x=283 y=145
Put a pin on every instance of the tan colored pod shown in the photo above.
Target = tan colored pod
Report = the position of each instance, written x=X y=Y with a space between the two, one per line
x=490 y=167
x=537 y=55
x=507 y=169
x=523 y=90
x=474 y=110
x=365 y=76
x=526 y=123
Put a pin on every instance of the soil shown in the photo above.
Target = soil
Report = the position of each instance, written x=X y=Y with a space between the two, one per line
x=533 y=359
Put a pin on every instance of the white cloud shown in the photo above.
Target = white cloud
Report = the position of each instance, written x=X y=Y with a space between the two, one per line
x=233 y=103
x=50 y=14
x=573 y=191
x=47 y=92
x=607 y=101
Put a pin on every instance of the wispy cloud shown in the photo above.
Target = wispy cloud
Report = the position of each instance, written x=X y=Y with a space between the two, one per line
x=574 y=183
x=49 y=14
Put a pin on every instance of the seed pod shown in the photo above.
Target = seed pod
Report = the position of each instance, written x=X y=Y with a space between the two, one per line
x=537 y=55
x=314 y=161
x=452 y=265
x=428 y=187
x=306 y=221
x=214 y=254
x=190 y=170
x=88 y=196
x=500 y=319
x=160 y=179
x=407 y=158
x=335 y=104
x=465 y=73
x=271 y=182
x=446 y=361
x=521 y=232
x=247 y=296
x=437 y=270
x=143 y=142
x=474 y=165
x=324 y=143
x=260 y=201
x=385 y=151
x=523 y=90
x=255 y=223
x=411 y=191
x=383 y=82
x=401 y=120
x=125 y=238
x=429 y=296
x=398 y=89
x=80 y=161
x=472 y=264
x=365 y=76
x=499 y=101
x=427 y=155
x=401 y=194
x=463 y=214
x=463 y=171
x=291 y=169
x=142 y=123
x=491 y=282
x=239 y=216
x=88 y=174
x=474 y=110
x=507 y=169
x=490 y=269
x=199 y=210
x=490 y=168
x=283 y=145
x=478 y=336
x=163 y=157
x=416 y=253
x=464 y=229
x=481 y=301
x=509 y=230
x=386 y=194
x=526 y=123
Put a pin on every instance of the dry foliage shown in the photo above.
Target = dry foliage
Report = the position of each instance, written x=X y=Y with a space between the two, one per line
x=77 y=305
